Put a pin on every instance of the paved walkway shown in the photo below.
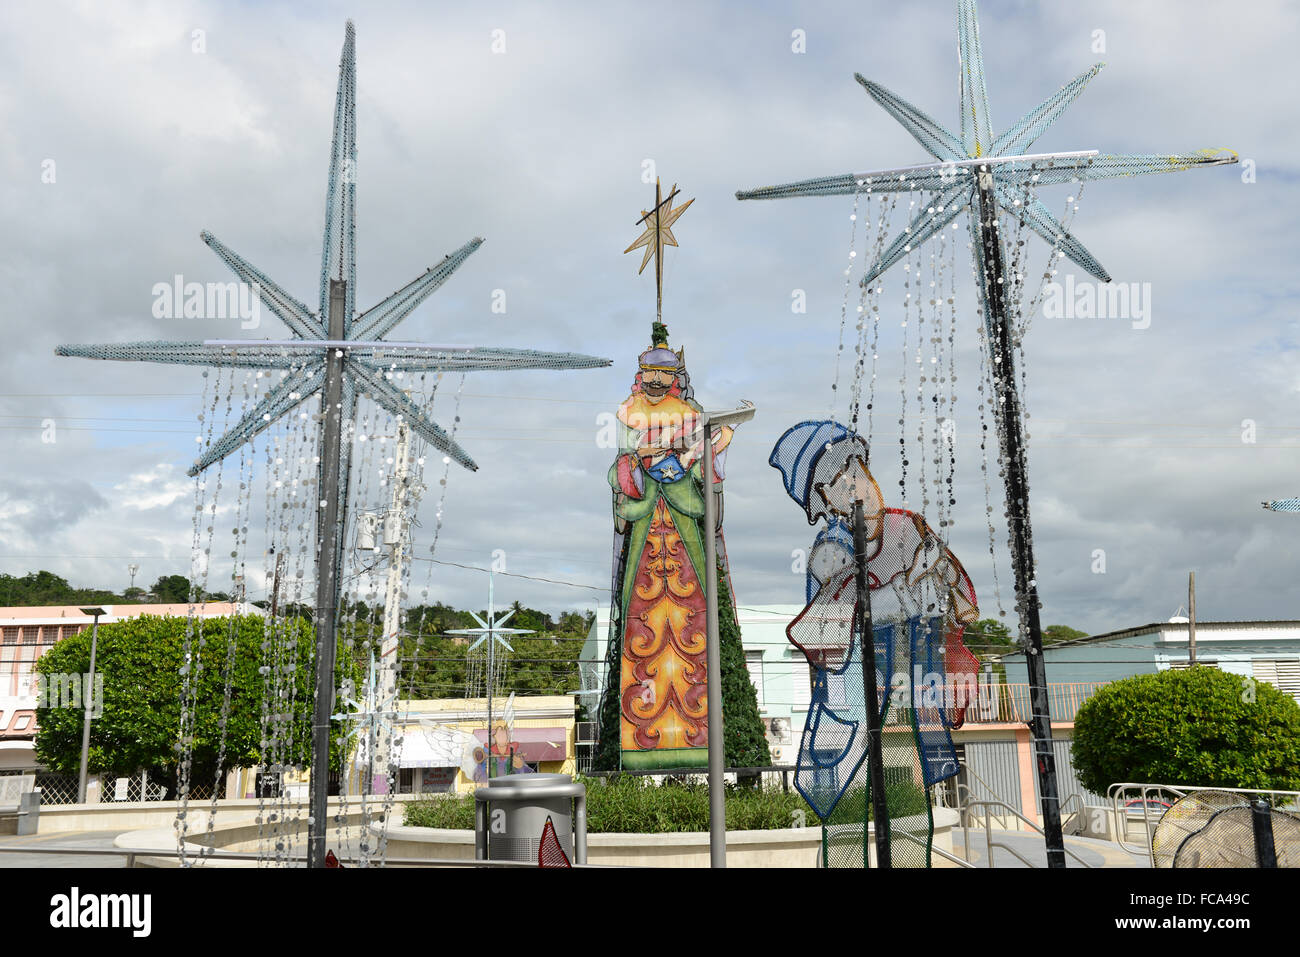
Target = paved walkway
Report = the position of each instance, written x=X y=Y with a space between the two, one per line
x=1095 y=852
x=94 y=839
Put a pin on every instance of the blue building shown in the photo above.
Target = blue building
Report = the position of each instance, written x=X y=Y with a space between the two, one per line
x=1264 y=650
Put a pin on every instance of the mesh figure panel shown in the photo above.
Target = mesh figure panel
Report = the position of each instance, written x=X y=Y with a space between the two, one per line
x=1227 y=840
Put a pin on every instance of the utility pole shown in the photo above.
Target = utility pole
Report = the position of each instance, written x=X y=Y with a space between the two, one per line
x=395 y=539
x=1191 y=619
x=275 y=584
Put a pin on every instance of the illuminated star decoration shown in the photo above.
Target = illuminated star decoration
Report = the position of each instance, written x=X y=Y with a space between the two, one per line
x=1014 y=173
x=658 y=234
x=369 y=364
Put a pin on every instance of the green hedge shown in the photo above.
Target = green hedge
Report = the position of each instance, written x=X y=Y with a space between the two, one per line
x=635 y=805
x=1194 y=726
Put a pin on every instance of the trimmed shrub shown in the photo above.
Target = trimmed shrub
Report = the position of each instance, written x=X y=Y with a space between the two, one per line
x=631 y=805
x=1196 y=726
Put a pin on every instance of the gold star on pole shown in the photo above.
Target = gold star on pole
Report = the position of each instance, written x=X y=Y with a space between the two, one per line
x=658 y=234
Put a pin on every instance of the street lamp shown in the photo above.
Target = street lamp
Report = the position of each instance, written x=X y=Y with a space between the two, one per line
x=132 y=570
x=90 y=694
x=717 y=749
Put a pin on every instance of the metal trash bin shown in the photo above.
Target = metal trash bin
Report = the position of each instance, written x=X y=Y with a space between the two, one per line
x=510 y=814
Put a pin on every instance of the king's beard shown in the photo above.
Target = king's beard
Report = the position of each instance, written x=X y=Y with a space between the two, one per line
x=654 y=390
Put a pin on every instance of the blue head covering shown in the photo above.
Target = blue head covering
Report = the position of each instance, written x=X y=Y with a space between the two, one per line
x=796 y=454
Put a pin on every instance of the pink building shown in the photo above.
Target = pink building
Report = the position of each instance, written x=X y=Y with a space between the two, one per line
x=27 y=633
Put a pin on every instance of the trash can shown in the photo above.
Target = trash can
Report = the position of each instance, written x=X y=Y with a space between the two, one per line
x=510 y=816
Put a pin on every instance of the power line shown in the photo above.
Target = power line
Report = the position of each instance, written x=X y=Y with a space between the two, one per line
x=476 y=568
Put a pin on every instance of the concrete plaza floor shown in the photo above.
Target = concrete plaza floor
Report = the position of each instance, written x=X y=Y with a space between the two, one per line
x=81 y=839
x=1095 y=852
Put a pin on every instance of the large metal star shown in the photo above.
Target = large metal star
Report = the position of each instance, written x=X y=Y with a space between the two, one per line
x=369 y=364
x=1014 y=173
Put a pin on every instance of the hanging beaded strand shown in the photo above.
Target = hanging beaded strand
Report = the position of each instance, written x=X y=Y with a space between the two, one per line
x=844 y=301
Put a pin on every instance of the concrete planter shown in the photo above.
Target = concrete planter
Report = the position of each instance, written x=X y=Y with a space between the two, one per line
x=783 y=847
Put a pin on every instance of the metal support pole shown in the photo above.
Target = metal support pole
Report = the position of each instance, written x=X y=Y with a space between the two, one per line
x=717 y=748
x=1262 y=819
x=85 y=721
x=331 y=515
x=1006 y=408
x=875 y=761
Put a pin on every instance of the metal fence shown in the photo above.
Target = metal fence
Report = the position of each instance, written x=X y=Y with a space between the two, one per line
x=997 y=703
x=57 y=788
x=63 y=789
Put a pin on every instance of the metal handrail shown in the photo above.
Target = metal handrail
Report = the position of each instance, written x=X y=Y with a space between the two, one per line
x=1117 y=791
x=988 y=832
x=1073 y=796
x=933 y=850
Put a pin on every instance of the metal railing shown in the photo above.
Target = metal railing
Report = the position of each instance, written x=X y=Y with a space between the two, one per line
x=1156 y=794
x=990 y=844
x=965 y=802
x=999 y=703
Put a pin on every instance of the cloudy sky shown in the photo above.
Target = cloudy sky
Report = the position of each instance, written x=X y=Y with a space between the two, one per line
x=123 y=133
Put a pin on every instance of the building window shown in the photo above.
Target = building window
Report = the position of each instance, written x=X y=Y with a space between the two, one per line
x=1281 y=673
x=406 y=781
x=1184 y=664
x=67 y=631
x=754 y=665
x=30 y=634
x=10 y=635
x=802 y=683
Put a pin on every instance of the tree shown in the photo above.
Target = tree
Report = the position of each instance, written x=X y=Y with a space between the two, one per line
x=1054 y=633
x=1194 y=726
x=47 y=588
x=172 y=589
x=989 y=632
x=741 y=726
x=140 y=660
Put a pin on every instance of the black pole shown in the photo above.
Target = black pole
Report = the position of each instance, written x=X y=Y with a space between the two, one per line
x=862 y=624
x=1006 y=407
x=327 y=578
x=1262 y=819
